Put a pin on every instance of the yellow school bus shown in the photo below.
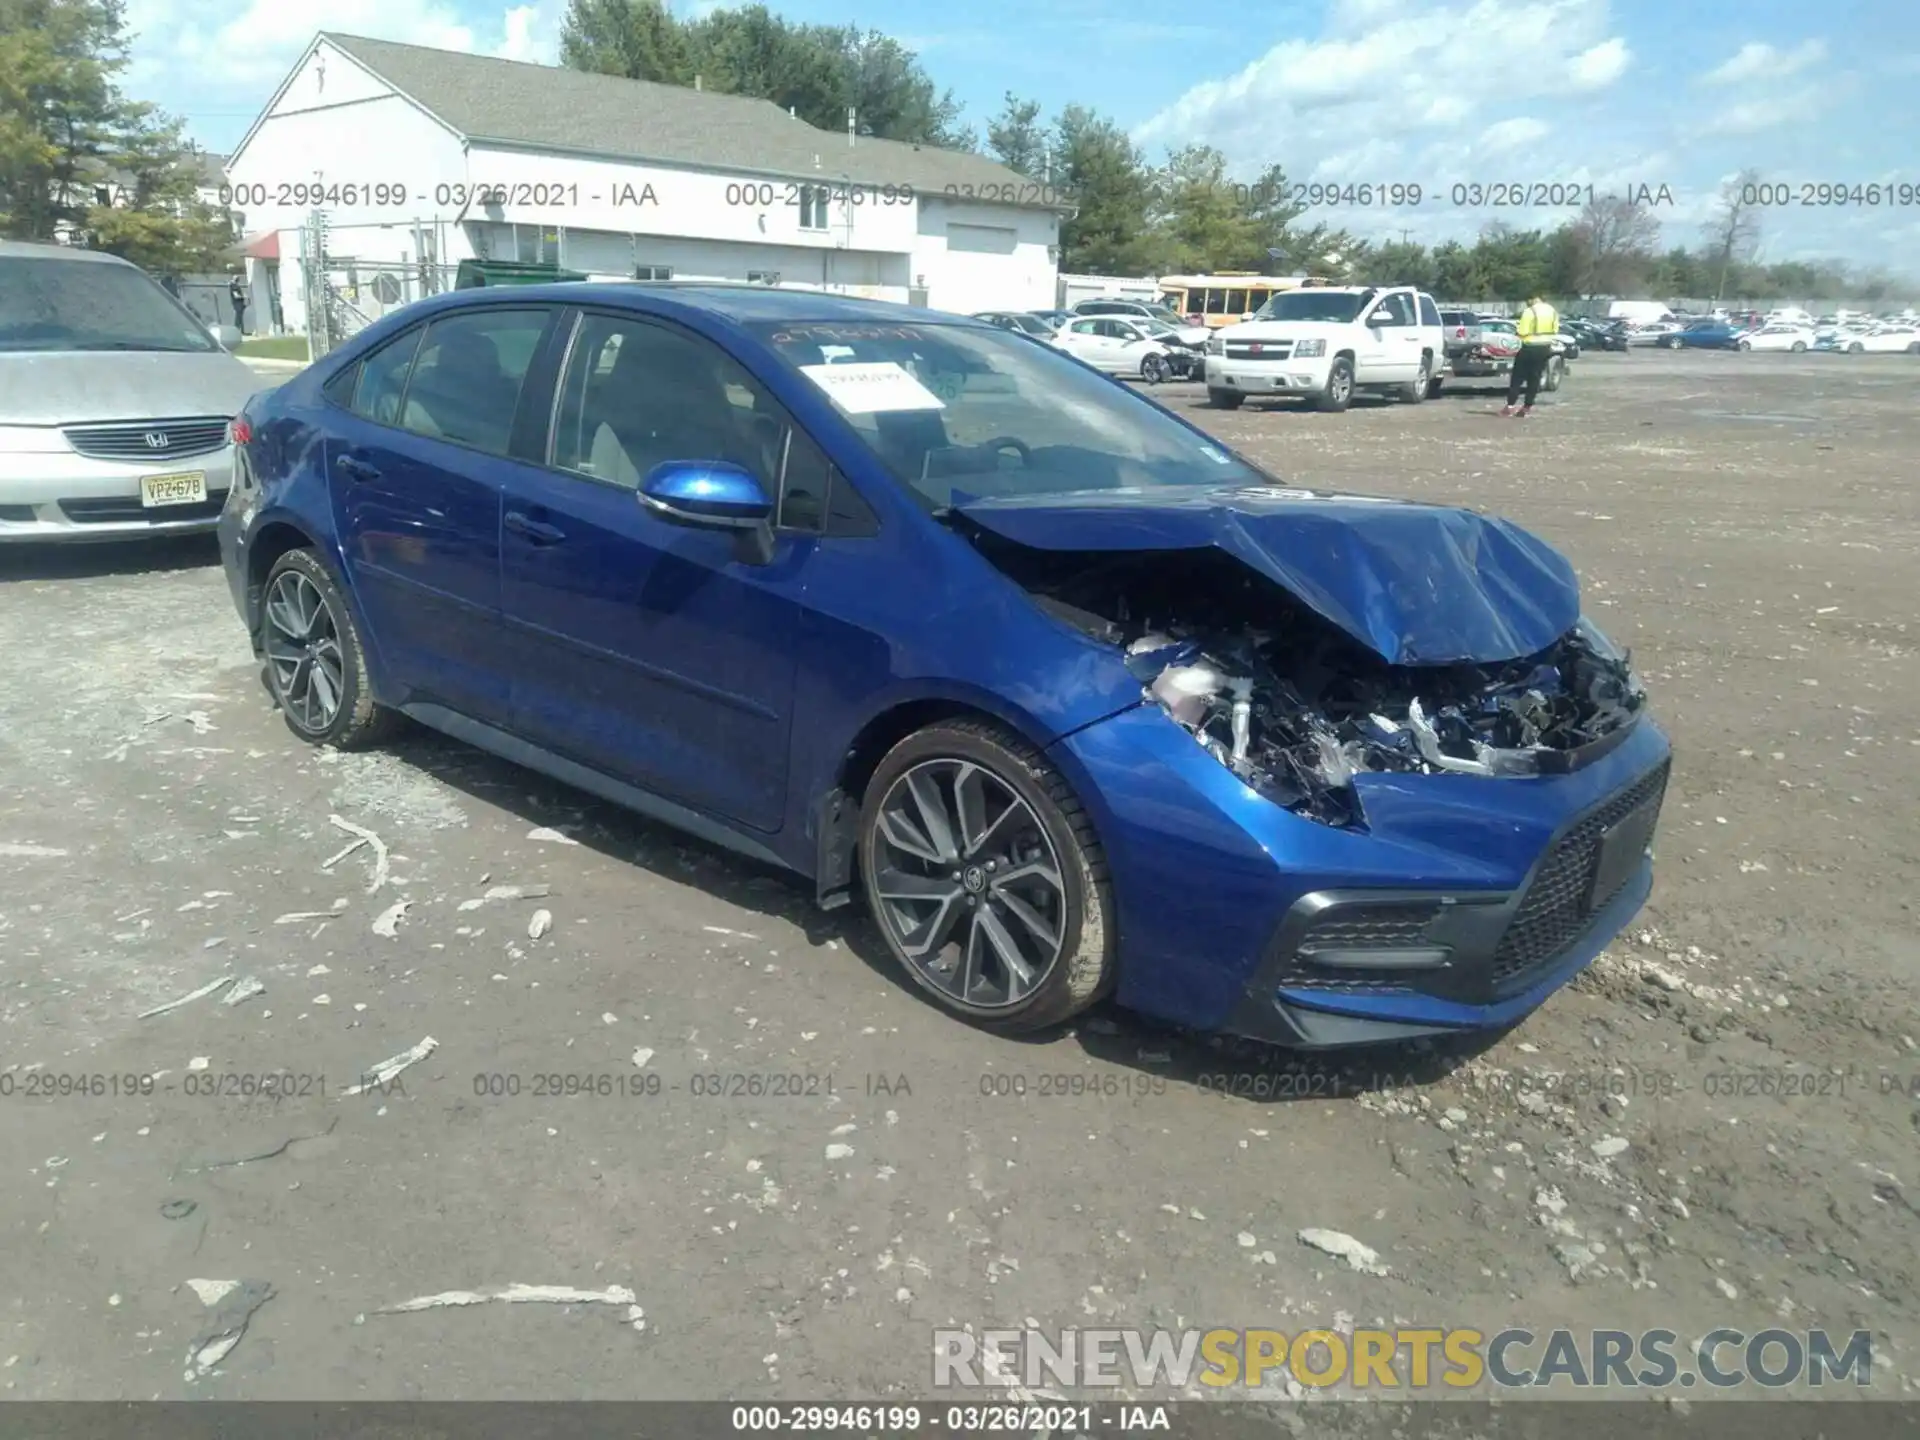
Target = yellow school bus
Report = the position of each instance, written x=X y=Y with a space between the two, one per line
x=1226 y=298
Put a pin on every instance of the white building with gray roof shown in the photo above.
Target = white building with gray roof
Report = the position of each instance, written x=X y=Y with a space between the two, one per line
x=419 y=158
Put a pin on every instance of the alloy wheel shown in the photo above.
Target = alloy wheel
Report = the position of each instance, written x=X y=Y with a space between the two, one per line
x=303 y=649
x=1340 y=388
x=967 y=883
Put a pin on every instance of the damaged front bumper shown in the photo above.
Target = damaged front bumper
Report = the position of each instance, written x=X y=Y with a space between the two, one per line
x=1463 y=904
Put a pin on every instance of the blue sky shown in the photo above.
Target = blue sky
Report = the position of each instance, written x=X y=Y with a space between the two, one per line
x=1426 y=92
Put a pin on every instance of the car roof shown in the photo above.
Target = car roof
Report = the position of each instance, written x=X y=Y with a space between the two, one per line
x=31 y=250
x=741 y=304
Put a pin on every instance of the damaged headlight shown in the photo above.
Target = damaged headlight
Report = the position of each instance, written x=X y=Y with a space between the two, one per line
x=1309 y=349
x=1298 y=720
x=1216 y=344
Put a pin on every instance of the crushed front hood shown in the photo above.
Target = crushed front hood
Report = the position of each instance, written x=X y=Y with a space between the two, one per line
x=1416 y=584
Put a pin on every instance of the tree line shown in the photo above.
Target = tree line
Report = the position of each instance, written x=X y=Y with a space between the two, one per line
x=65 y=126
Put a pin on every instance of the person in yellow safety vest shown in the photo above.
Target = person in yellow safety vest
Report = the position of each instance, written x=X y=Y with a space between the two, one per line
x=1538 y=327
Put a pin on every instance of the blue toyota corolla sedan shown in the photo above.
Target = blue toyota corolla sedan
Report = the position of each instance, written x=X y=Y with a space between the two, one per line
x=1078 y=700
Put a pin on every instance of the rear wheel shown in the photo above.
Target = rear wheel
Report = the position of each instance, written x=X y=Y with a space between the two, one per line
x=1672 y=342
x=985 y=878
x=1338 y=393
x=316 y=667
x=1556 y=372
x=1798 y=346
x=1224 y=399
x=1856 y=348
x=1422 y=385
x=1913 y=347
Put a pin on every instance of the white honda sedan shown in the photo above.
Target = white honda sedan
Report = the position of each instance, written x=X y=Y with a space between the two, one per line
x=1797 y=338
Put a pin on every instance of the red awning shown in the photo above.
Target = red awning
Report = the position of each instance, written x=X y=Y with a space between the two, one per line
x=264 y=247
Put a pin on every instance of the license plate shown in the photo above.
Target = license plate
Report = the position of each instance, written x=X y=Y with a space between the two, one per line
x=1620 y=850
x=186 y=488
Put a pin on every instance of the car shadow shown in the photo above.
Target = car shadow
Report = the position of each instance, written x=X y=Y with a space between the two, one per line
x=60 y=560
x=1165 y=1056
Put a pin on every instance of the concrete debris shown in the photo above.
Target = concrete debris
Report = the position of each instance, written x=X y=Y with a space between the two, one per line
x=387 y=923
x=641 y=1057
x=517 y=1295
x=233 y=1303
x=541 y=922
x=1344 y=1247
x=839 y=1151
x=205 y=990
x=362 y=836
x=551 y=836
x=1609 y=1147
x=13 y=850
x=297 y=916
x=244 y=989
x=384 y=1072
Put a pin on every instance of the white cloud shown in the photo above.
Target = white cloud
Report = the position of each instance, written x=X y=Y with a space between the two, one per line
x=1599 y=67
x=1757 y=60
x=1514 y=134
x=1750 y=117
x=1396 y=94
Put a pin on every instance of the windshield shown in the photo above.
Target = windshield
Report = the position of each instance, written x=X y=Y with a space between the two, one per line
x=1164 y=316
x=975 y=412
x=58 y=304
x=1330 y=305
x=1032 y=324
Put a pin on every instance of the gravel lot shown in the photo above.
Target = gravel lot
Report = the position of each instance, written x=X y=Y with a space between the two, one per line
x=1747 y=523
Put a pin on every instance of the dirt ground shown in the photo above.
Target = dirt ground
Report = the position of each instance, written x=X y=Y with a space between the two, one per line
x=1748 y=524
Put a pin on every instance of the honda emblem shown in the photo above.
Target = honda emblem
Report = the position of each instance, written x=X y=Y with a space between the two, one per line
x=156 y=439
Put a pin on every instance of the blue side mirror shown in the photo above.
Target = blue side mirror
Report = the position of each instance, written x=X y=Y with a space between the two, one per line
x=711 y=494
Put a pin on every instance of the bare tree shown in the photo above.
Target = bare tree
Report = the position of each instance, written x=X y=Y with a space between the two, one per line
x=1617 y=239
x=1734 y=232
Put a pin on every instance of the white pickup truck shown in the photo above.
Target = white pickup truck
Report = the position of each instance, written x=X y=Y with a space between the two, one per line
x=1324 y=343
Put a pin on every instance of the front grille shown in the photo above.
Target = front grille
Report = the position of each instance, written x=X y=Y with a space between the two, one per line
x=118 y=509
x=1265 y=350
x=1553 y=912
x=135 y=439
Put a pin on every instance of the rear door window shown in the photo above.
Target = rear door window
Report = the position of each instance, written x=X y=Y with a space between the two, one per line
x=466 y=381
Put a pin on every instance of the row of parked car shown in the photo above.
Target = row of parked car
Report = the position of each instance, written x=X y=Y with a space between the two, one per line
x=1853 y=335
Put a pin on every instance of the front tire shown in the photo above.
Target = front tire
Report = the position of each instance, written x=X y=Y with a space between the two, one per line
x=1744 y=345
x=1224 y=399
x=1856 y=348
x=985 y=878
x=1153 y=369
x=1671 y=343
x=1556 y=372
x=1798 y=346
x=1338 y=394
x=316 y=666
x=1433 y=385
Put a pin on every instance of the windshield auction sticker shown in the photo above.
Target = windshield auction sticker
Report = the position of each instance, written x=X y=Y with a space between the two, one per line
x=871 y=387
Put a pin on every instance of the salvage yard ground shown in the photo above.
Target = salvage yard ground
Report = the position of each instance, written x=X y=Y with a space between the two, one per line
x=1748 y=524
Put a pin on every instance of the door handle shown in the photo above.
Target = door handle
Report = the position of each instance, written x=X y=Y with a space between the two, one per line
x=537 y=531
x=356 y=469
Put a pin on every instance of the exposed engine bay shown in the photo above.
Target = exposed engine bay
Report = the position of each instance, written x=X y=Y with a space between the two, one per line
x=1297 y=707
